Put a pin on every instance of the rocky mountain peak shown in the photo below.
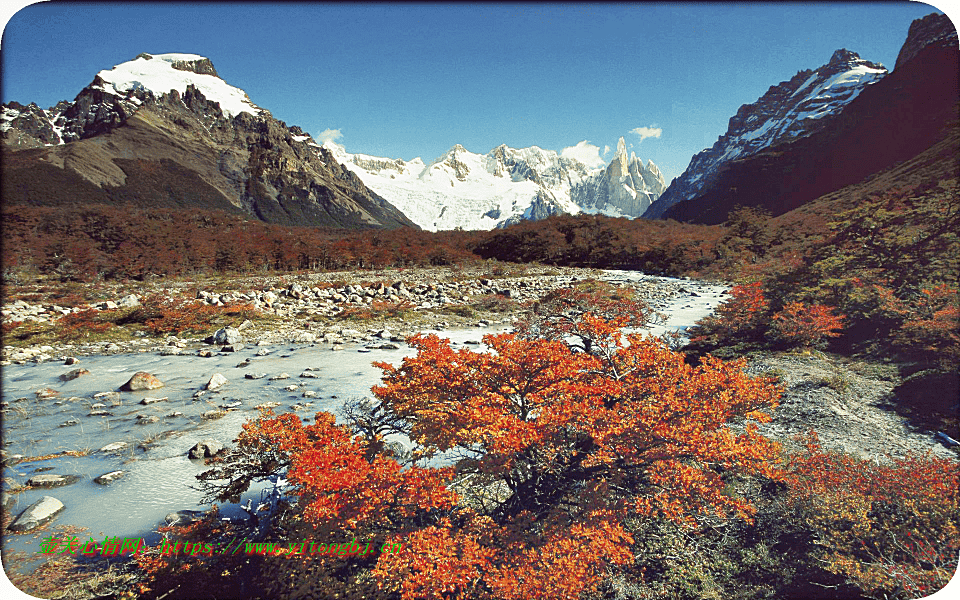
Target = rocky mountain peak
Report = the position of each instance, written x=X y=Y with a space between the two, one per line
x=931 y=29
x=843 y=56
x=844 y=59
x=166 y=130
x=790 y=110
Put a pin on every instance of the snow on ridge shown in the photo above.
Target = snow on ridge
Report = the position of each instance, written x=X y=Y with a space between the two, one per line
x=157 y=75
x=474 y=191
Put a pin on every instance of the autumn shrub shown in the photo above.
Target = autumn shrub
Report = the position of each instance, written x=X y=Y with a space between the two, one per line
x=495 y=303
x=749 y=318
x=392 y=310
x=7 y=329
x=359 y=312
x=242 y=311
x=931 y=327
x=587 y=313
x=201 y=559
x=804 y=325
x=163 y=314
x=891 y=528
x=741 y=318
x=83 y=324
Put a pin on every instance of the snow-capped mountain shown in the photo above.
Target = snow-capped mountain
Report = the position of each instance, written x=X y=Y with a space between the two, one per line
x=625 y=188
x=115 y=94
x=889 y=123
x=483 y=191
x=166 y=130
x=787 y=111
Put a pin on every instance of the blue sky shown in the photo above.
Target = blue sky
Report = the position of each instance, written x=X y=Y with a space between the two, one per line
x=411 y=80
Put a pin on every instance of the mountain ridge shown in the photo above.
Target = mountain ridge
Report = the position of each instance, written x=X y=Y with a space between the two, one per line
x=910 y=110
x=165 y=130
x=463 y=189
x=789 y=110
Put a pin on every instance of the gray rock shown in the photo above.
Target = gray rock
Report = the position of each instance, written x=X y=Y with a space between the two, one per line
x=71 y=375
x=206 y=449
x=146 y=401
x=40 y=512
x=114 y=447
x=129 y=301
x=216 y=382
x=108 y=478
x=49 y=480
x=183 y=517
x=254 y=375
x=112 y=397
x=226 y=335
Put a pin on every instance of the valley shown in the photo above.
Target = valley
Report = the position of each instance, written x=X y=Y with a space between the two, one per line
x=742 y=383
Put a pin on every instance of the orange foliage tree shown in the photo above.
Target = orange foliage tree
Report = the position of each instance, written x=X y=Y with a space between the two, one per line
x=559 y=315
x=749 y=317
x=804 y=325
x=549 y=452
x=742 y=317
x=554 y=448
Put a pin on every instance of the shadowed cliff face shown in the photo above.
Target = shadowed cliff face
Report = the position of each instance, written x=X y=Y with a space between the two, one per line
x=180 y=150
x=788 y=111
x=886 y=123
x=911 y=110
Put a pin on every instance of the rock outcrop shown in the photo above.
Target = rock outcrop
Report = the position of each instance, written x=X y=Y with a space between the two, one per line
x=933 y=29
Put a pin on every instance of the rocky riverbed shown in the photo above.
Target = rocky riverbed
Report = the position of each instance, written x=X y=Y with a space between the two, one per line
x=307 y=310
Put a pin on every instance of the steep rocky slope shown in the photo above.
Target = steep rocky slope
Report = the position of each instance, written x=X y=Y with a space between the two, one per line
x=165 y=130
x=787 y=111
x=910 y=110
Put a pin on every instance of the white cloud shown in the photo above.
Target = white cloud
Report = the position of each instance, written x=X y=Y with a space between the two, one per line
x=645 y=132
x=586 y=153
x=606 y=150
x=329 y=135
